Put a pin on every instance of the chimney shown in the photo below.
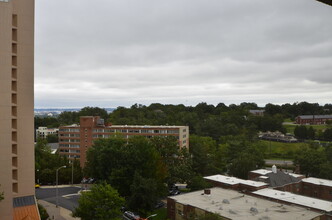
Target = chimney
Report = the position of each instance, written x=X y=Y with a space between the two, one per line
x=274 y=169
x=207 y=191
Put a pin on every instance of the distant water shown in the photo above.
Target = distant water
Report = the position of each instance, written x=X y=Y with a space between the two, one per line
x=57 y=111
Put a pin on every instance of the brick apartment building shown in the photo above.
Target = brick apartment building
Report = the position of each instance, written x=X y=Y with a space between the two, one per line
x=270 y=197
x=74 y=140
x=317 y=188
x=294 y=183
x=312 y=119
x=16 y=110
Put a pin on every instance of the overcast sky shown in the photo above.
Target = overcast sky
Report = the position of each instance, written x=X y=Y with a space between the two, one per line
x=111 y=53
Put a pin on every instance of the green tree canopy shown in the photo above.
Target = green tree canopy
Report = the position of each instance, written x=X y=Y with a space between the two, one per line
x=46 y=163
x=101 y=203
x=144 y=194
x=117 y=161
x=311 y=160
x=177 y=161
x=204 y=151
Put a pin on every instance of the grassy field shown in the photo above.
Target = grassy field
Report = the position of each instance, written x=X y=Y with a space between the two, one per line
x=291 y=127
x=161 y=214
x=273 y=150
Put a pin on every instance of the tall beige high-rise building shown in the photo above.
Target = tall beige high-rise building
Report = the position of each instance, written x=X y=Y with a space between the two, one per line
x=16 y=110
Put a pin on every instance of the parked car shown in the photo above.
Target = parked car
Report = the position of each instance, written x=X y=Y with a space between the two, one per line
x=159 y=204
x=174 y=192
x=130 y=215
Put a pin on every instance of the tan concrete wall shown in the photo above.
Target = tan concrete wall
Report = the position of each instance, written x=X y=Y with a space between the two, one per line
x=184 y=136
x=25 y=96
x=20 y=123
x=5 y=110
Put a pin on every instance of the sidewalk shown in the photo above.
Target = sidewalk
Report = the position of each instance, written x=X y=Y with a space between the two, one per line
x=60 y=186
x=57 y=213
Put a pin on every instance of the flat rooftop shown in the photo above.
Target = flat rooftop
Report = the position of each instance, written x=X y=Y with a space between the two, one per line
x=261 y=171
x=132 y=126
x=318 y=181
x=233 y=180
x=146 y=126
x=295 y=199
x=296 y=175
x=235 y=205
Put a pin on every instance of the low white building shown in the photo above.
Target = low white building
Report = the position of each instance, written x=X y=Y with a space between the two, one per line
x=43 y=132
x=230 y=204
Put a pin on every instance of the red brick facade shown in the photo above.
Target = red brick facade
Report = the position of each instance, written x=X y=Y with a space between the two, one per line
x=75 y=140
x=312 y=119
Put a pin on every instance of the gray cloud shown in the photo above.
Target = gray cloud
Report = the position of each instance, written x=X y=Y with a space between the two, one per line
x=111 y=53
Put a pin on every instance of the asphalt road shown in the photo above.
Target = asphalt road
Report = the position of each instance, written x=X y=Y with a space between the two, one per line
x=279 y=162
x=68 y=196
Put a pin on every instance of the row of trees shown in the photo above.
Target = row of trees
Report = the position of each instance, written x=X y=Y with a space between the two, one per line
x=304 y=132
x=70 y=117
x=302 y=108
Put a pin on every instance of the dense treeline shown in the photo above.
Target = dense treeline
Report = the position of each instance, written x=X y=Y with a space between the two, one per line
x=68 y=117
x=203 y=119
x=303 y=108
x=304 y=132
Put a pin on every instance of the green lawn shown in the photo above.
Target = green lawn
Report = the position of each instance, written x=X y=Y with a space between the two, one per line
x=288 y=120
x=161 y=214
x=280 y=150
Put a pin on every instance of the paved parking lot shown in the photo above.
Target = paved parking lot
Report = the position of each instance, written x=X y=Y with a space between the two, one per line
x=68 y=196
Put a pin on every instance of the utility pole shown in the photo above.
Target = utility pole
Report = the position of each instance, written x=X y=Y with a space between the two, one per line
x=56 y=190
x=72 y=172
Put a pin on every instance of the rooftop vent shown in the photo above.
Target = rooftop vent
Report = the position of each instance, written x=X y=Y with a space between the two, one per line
x=232 y=212
x=226 y=201
x=207 y=191
x=253 y=210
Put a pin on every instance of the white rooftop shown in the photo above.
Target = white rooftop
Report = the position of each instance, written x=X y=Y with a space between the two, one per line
x=263 y=177
x=318 y=181
x=296 y=199
x=261 y=171
x=234 y=205
x=296 y=175
x=233 y=180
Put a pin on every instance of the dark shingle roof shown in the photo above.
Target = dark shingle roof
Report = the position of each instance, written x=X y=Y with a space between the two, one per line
x=316 y=116
x=23 y=201
x=280 y=178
